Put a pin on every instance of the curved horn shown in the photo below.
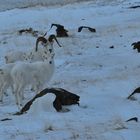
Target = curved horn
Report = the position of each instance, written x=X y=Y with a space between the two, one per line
x=51 y=37
x=40 y=39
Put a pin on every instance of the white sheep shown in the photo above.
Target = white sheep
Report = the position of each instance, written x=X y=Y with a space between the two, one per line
x=5 y=79
x=25 y=74
x=36 y=74
x=14 y=56
x=31 y=55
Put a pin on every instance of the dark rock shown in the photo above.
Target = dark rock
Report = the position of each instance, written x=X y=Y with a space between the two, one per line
x=89 y=28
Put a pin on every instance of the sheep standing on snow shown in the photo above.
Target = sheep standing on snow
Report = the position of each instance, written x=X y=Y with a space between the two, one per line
x=37 y=73
x=5 y=79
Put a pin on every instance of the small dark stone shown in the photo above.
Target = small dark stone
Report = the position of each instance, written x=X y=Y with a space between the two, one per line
x=89 y=28
x=111 y=47
x=6 y=119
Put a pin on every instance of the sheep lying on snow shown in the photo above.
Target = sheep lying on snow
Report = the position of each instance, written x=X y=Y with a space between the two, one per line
x=36 y=73
x=30 y=31
x=32 y=55
x=5 y=79
x=12 y=57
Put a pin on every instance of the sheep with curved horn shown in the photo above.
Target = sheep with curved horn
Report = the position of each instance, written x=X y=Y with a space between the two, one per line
x=32 y=55
x=35 y=74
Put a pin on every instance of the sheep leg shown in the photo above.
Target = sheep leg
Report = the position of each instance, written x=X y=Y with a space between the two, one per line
x=12 y=88
x=1 y=92
x=1 y=95
x=18 y=96
x=5 y=87
x=37 y=87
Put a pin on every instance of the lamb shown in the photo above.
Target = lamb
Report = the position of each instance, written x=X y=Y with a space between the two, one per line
x=32 y=55
x=36 y=73
x=5 y=79
x=11 y=57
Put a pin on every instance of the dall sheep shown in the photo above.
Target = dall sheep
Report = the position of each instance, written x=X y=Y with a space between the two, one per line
x=36 y=73
x=14 y=56
x=30 y=31
x=32 y=55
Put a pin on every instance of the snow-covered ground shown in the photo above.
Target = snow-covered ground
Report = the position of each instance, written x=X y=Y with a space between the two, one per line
x=8 y=4
x=86 y=65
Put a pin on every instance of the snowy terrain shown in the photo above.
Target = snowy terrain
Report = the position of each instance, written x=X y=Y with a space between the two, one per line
x=8 y=4
x=103 y=77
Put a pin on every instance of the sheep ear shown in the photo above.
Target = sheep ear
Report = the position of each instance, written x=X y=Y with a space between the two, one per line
x=51 y=37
